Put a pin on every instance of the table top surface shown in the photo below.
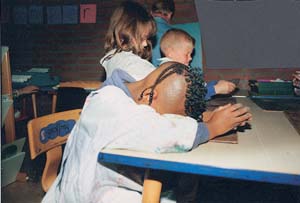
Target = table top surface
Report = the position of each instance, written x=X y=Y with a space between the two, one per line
x=269 y=152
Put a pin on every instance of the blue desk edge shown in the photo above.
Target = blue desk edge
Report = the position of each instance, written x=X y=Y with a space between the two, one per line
x=261 y=176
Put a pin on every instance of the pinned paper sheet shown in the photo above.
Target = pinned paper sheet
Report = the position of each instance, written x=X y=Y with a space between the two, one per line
x=54 y=15
x=88 y=13
x=35 y=15
x=20 y=15
x=70 y=14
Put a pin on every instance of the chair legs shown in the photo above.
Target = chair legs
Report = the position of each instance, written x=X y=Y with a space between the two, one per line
x=53 y=159
x=54 y=100
x=33 y=97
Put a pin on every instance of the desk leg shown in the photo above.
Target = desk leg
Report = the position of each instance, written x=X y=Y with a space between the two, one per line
x=54 y=99
x=10 y=131
x=33 y=97
x=151 y=191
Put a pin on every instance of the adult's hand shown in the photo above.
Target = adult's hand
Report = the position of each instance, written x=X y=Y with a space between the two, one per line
x=226 y=118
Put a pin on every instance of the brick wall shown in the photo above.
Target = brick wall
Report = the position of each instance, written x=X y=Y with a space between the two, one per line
x=73 y=51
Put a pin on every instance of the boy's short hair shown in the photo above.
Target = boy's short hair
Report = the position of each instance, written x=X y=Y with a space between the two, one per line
x=163 y=7
x=173 y=37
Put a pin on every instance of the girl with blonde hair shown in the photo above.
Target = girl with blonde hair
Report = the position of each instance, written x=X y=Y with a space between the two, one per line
x=127 y=43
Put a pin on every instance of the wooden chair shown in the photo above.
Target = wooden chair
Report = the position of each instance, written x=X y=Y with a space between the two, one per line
x=47 y=134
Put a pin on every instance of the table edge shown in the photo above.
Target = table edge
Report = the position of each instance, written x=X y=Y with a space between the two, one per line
x=252 y=175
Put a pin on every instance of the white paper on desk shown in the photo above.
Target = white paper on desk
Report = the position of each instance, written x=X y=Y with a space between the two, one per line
x=38 y=70
x=241 y=93
x=20 y=78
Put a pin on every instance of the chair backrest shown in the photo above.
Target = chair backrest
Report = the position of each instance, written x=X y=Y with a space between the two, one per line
x=87 y=85
x=47 y=134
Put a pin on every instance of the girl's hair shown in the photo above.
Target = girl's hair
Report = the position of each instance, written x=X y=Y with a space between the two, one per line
x=128 y=23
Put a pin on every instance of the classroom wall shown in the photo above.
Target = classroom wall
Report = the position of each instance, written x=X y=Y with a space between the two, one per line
x=73 y=51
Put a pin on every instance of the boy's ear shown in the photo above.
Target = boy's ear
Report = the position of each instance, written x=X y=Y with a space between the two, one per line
x=169 y=52
x=147 y=94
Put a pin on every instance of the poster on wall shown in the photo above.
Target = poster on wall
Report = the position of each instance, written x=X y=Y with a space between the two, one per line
x=88 y=13
x=35 y=15
x=70 y=14
x=20 y=15
x=54 y=15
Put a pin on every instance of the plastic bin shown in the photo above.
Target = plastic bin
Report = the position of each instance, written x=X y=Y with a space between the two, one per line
x=11 y=161
x=275 y=88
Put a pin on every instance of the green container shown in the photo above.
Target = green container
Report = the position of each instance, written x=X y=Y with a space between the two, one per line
x=275 y=88
x=11 y=161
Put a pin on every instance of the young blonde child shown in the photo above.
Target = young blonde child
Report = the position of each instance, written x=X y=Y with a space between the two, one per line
x=177 y=45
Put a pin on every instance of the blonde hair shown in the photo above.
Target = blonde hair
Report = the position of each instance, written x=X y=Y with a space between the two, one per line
x=173 y=38
x=127 y=25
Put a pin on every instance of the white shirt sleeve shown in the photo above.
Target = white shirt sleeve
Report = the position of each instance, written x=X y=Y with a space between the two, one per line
x=134 y=65
x=123 y=124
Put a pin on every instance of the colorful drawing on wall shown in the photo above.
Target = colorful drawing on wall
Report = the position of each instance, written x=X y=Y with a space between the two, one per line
x=20 y=15
x=35 y=15
x=88 y=13
x=70 y=14
x=54 y=15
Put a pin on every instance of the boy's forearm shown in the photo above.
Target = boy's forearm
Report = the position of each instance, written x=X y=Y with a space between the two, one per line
x=202 y=135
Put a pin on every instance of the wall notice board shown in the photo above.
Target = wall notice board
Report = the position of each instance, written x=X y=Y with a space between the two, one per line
x=250 y=33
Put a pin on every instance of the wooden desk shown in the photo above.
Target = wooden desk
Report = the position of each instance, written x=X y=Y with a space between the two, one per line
x=268 y=152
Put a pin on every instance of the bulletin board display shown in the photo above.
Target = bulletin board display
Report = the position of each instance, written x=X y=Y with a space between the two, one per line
x=250 y=33
x=37 y=14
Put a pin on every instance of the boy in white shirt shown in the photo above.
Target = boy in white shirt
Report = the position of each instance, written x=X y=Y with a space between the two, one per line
x=157 y=114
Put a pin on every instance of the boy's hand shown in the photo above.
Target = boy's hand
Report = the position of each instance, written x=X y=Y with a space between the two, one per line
x=207 y=115
x=226 y=118
x=224 y=87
